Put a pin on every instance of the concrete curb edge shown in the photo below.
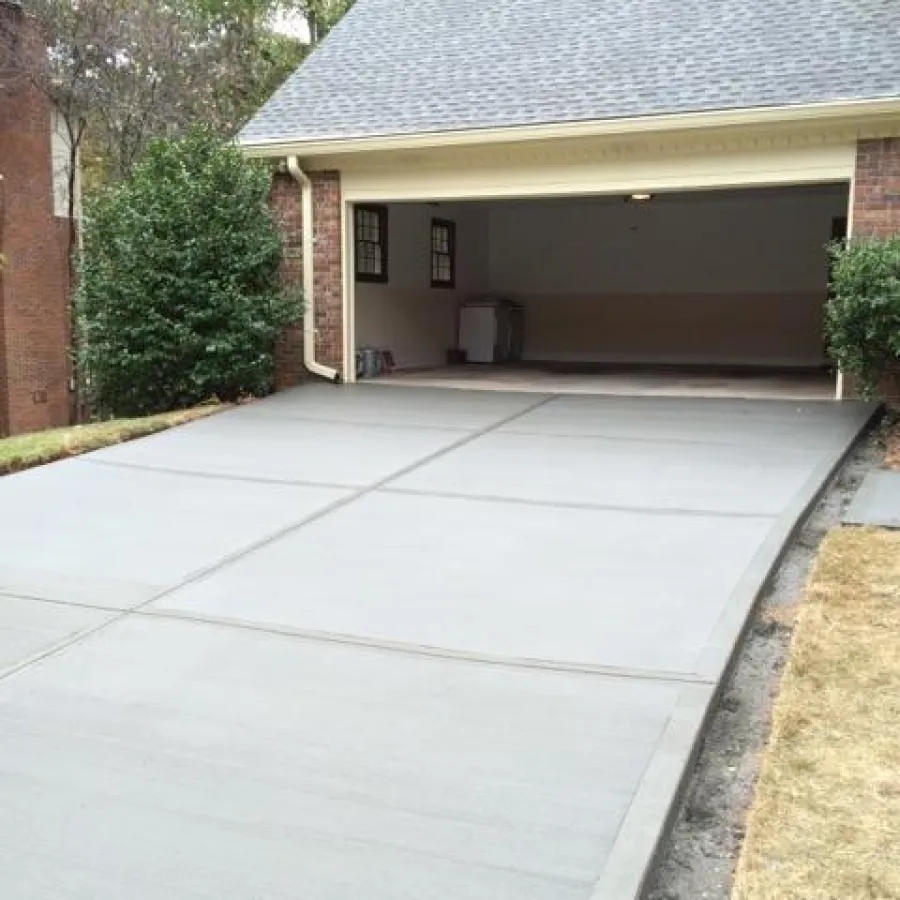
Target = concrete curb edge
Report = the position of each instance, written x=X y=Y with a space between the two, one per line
x=658 y=800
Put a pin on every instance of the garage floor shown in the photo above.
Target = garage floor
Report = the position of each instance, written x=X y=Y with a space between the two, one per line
x=627 y=381
x=364 y=641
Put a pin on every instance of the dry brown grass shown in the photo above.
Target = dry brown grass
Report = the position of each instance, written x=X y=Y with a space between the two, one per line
x=826 y=820
x=28 y=450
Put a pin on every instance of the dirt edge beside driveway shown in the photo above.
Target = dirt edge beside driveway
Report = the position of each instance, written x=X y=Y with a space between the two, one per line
x=697 y=861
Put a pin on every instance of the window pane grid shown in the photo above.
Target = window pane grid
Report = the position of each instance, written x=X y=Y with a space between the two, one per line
x=441 y=240
x=443 y=253
x=371 y=243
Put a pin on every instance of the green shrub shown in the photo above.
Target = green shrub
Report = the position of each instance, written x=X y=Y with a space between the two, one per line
x=862 y=321
x=179 y=299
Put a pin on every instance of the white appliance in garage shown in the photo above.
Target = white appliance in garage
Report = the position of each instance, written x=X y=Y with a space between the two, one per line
x=491 y=330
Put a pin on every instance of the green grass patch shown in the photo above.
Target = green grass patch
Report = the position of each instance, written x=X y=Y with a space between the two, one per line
x=27 y=450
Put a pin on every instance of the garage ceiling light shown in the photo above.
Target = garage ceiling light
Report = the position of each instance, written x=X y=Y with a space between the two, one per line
x=640 y=198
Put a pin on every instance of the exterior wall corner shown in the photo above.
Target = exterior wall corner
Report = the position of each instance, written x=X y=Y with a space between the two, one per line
x=286 y=202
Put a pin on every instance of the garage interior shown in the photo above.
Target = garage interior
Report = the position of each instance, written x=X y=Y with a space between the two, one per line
x=703 y=293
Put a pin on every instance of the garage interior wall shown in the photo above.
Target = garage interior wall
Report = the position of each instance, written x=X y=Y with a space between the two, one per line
x=407 y=316
x=735 y=277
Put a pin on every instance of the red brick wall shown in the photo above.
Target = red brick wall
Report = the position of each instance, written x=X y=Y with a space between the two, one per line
x=329 y=289
x=876 y=212
x=286 y=201
x=876 y=203
x=34 y=370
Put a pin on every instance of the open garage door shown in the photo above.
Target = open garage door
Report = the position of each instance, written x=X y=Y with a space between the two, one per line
x=724 y=280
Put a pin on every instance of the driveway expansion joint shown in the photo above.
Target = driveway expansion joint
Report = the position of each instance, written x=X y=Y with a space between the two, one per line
x=216 y=476
x=56 y=601
x=590 y=507
x=350 y=423
x=59 y=647
x=431 y=652
x=619 y=439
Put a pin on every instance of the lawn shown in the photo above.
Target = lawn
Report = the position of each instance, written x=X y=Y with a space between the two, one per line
x=27 y=450
x=826 y=819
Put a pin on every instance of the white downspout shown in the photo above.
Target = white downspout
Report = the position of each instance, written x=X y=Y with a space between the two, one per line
x=309 y=313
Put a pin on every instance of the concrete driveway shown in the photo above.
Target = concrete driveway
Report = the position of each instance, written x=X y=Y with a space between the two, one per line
x=399 y=644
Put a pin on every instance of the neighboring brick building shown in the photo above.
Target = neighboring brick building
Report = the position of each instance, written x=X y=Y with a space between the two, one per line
x=34 y=284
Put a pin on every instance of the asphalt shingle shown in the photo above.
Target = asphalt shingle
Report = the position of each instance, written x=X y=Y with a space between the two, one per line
x=416 y=66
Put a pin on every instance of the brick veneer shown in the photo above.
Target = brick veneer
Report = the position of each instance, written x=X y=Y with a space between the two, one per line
x=876 y=203
x=286 y=201
x=34 y=370
x=876 y=211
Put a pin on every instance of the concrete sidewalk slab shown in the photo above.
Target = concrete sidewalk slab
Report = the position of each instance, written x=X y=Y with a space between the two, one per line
x=878 y=501
x=30 y=627
x=715 y=423
x=176 y=759
x=656 y=475
x=284 y=449
x=500 y=580
x=369 y=404
x=114 y=537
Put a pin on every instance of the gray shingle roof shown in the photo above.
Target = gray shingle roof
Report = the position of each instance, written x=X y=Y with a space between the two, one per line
x=414 y=66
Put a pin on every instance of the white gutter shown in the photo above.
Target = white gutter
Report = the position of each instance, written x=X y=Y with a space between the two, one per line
x=309 y=282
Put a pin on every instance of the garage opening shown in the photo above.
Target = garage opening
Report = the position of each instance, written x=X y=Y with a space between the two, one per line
x=713 y=292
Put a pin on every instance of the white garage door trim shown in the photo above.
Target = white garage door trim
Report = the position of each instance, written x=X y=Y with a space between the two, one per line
x=569 y=171
x=518 y=174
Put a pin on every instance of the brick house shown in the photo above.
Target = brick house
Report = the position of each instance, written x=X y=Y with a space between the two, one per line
x=652 y=183
x=34 y=283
